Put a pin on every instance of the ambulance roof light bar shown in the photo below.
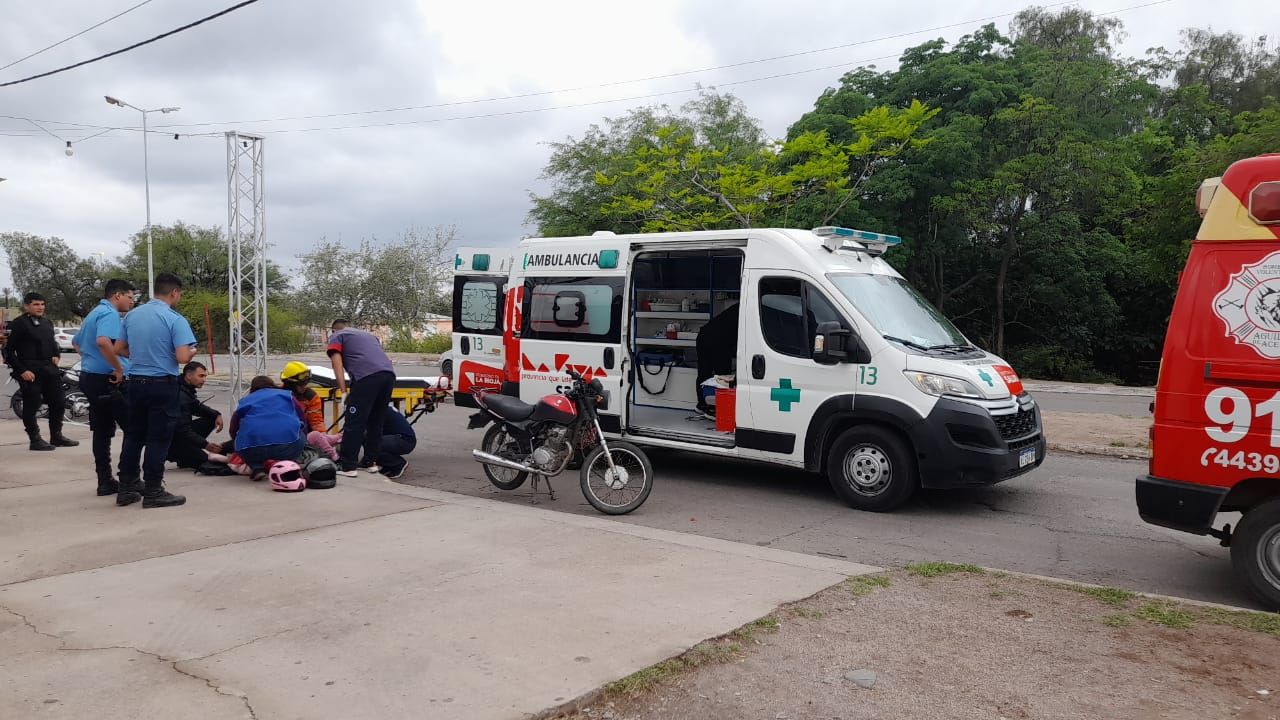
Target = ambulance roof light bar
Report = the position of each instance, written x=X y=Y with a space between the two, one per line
x=837 y=238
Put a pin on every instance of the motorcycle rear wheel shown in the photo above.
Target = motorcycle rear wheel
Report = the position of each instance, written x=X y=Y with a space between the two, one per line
x=617 y=494
x=496 y=442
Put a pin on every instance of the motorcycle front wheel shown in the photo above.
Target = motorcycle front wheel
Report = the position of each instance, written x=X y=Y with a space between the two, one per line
x=497 y=442
x=77 y=405
x=622 y=488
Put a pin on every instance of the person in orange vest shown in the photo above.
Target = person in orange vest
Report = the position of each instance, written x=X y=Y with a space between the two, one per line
x=296 y=378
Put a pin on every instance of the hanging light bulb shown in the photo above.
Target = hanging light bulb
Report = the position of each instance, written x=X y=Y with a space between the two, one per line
x=69 y=151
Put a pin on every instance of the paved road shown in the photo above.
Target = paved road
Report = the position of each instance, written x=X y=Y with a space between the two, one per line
x=1129 y=405
x=1073 y=518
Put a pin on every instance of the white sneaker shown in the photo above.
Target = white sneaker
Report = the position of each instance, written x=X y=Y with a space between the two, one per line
x=373 y=469
x=348 y=473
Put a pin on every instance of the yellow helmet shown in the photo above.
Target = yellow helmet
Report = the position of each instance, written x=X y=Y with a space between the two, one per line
x=296 y=372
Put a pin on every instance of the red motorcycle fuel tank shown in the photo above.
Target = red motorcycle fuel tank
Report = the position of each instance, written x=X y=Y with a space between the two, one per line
x=556 y=408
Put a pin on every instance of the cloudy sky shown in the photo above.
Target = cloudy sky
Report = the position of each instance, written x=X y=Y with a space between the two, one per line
x=438 y=165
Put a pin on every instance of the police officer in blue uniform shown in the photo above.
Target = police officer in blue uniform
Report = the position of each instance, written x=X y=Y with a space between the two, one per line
x=102 y=375
x=157 y=340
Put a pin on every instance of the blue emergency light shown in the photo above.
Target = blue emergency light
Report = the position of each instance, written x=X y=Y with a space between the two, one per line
x=835 y=238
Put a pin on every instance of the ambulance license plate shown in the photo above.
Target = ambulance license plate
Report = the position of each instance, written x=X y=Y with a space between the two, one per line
x=1027 y=457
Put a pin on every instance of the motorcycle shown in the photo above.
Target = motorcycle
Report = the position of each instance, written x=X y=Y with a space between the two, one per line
x=543 y=439
x=75 y=402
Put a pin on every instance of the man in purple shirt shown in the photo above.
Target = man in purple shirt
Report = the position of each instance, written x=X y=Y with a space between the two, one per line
x=359 y=354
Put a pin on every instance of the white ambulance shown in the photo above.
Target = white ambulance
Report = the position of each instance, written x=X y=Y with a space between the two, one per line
x=834 y=364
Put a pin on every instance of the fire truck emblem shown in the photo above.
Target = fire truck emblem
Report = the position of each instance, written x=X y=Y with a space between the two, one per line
x=1250 y=306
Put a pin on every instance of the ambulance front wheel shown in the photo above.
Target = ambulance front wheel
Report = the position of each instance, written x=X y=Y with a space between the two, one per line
x=872 y=468
x=1255 y=552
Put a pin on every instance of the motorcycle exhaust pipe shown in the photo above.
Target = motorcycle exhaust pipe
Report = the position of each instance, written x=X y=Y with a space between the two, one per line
x=488 y=459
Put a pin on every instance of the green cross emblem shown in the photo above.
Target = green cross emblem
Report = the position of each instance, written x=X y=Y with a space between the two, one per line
x=526 y=261
x=784 y=395
x=457 y=261
x=986 y=378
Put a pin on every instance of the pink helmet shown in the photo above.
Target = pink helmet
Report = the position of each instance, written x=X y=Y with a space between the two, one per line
x=286 y=476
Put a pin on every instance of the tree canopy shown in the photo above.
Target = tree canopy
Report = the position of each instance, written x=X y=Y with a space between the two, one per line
x=1043 y=183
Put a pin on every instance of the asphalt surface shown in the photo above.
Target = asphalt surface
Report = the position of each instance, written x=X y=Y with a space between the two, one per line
x=1073 y=518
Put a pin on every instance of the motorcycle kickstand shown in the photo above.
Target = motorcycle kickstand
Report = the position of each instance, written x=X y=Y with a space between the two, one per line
x=550 y=490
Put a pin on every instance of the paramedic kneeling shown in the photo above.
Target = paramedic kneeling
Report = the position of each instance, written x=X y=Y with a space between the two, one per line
x=372 y=377
x=267 y=425
x=398 y=440
x=156 y=339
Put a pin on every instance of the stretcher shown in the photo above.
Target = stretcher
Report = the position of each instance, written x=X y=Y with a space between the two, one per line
x=413 y=396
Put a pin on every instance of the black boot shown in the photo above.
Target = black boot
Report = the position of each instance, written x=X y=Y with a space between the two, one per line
x=59 y=440
x=130 y=491
x=107 y=486
x=160 y=497
x=38 y=443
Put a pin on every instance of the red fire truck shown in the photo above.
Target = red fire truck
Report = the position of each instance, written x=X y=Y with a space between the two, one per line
x=1215 y=442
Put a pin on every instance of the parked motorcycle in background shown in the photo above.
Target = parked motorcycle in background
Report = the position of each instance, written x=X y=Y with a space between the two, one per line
x=542 y=440
x=76 y=403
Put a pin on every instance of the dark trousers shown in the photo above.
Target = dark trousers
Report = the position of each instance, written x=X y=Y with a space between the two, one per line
x=46 y=388
x=107 y=411
x=257 y=457
x=186 y=452
x=153 y=411
x=362 y=426
x=394 y=448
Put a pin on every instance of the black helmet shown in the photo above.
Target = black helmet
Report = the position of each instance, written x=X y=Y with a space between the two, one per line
x=321 y=473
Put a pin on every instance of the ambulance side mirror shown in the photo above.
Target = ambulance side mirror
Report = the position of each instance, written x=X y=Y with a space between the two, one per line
x=833 y=344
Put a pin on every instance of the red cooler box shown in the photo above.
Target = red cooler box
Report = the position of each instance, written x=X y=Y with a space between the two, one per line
x=726 y=401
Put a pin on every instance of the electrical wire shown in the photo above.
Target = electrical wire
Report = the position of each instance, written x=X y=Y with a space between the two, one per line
x=134 y=46
x=615 y=83
x=526 y=111
x=73 y=37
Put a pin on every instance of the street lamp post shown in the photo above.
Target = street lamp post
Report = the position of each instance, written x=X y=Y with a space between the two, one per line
x=146 y=180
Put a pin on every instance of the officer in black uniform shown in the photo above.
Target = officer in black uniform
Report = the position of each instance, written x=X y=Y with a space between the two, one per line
x=34 y=355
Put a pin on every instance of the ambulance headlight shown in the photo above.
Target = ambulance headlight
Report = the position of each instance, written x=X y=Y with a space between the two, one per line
x=940 y=385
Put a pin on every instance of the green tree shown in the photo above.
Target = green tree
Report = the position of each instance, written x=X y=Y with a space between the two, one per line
x=72 y=285
x=378 y=283
x=197 y=255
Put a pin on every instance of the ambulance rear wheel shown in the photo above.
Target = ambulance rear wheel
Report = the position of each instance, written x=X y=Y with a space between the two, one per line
x=1255 y=552
x=871 y=468
x=446 y=368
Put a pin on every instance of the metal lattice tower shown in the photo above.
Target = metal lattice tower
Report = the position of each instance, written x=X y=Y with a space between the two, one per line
x=246 y=261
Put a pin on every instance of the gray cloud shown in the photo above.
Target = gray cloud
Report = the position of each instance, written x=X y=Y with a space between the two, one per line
x=289 y=57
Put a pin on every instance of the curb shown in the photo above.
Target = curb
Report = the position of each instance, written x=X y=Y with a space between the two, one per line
x=1119 y=453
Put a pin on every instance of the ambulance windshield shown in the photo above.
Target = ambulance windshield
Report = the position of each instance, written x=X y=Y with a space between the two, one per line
x=899 y=312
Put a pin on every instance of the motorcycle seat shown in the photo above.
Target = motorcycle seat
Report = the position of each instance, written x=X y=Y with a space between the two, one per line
x=505 y=406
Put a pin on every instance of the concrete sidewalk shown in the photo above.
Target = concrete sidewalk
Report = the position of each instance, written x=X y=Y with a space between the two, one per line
x=372 y=600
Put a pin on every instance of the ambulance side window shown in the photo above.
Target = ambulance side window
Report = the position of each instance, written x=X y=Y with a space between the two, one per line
x=573 y=309
x=790 y=312
x=478 y=304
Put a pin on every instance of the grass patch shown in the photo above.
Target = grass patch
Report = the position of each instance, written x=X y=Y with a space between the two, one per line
x=1268 y=623
x=706 y=653
x=864 y=585
x=808 y=613
x=748 y=632
x=1118 y=444
x=934 y=569
x=1166 y=614
x=1111 y=596
x=1116 y=621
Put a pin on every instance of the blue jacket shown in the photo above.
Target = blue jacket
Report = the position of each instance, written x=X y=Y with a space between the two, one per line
x=266 y=417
